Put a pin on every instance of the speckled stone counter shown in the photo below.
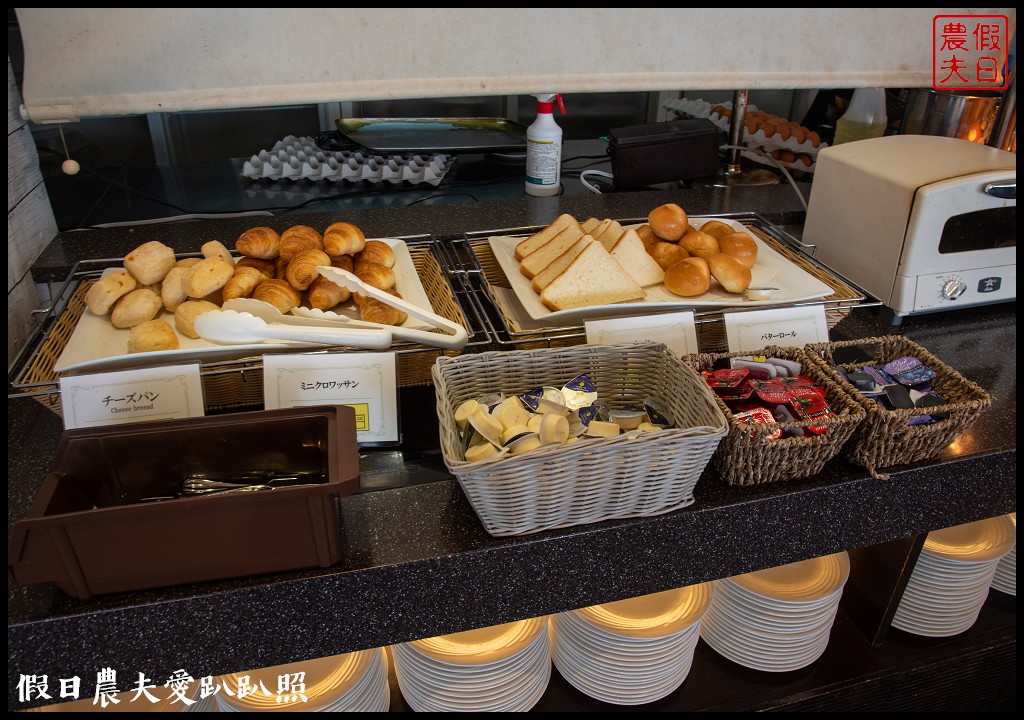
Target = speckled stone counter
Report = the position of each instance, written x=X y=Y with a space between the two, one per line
x=417 y=562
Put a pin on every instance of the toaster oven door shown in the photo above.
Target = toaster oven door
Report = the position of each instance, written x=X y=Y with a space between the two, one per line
x=960 y=248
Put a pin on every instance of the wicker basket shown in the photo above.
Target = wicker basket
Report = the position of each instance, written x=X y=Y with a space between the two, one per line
x=886 y=438
x=634 y=474
x=238 y=384
x=749 y=455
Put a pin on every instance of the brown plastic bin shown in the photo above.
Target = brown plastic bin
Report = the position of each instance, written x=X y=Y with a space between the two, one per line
x=93 y=528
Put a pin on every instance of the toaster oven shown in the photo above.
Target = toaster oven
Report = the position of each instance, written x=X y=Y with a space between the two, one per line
x=920 y=222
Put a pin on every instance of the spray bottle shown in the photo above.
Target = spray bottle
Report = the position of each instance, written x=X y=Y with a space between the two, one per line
x=544 y=148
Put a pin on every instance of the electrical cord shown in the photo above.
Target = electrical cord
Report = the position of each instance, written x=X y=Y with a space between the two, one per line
x=777 y=164
x=596 y=173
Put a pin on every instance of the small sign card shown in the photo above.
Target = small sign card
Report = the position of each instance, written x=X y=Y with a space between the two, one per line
x=365 y=381
x=160 y=393
x=677 y=331
x=787 y=326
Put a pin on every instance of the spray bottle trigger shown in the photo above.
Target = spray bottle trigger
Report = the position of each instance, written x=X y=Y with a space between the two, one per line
x=561 y=105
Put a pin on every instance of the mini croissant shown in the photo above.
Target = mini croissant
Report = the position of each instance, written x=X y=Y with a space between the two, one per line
x=279 y=294
x=325 y=294
x=242 y=283
x=373 y=310
x=343 y=238
x=301 y=270
x=298 y=238
x=259 y=242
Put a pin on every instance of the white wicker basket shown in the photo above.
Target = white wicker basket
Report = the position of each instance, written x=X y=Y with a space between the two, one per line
x=634 y=474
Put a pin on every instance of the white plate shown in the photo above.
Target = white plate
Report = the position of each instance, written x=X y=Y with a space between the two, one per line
x=98 y=346
x=651 y=616
x=771 y=270
x=974 y=542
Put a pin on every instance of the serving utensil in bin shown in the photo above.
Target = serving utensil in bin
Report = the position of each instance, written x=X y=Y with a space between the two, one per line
x=456 y=338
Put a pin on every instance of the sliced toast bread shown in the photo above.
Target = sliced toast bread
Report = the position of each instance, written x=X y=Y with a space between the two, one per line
x=542 y=256
x=540 y=237
x=632 y=255
x=542 y=279
x=593 y=278
x=610 y=235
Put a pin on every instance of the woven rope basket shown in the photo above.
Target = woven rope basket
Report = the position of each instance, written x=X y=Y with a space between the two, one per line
x=886 y=438
x=749 y=455
x=634 y=474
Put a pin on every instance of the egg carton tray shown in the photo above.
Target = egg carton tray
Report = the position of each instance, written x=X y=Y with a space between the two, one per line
x=297 y=159
x=805 y=152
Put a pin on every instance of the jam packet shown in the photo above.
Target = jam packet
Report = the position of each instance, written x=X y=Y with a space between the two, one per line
x=909 y=371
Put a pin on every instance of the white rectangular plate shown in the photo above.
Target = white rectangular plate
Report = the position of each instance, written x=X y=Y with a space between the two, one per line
x=97 y=346
x=771 y=270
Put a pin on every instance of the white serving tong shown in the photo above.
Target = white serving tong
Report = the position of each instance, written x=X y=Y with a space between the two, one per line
x=456 y=338
x=230 y=327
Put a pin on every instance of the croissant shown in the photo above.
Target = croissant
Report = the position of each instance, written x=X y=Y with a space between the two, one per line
x=343 y=262
x=280 y=267
x=242 y=283
x=380 y=276
x=343 y=238
x=377 y=251
x=266 y=267
x=373 y=310
x=279 y=294
x=301 y=270
x=298 y=238
x=325 y=294
x=259 y=242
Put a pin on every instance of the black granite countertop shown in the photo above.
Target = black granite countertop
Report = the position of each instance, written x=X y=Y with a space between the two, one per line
x=417 y=562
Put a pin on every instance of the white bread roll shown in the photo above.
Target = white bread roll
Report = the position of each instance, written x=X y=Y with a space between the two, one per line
x=716 y=228
x=689 y=277
x=700 y=244
x=667 y=254
x=730 y=273
x=669 y=221
x=740 y=246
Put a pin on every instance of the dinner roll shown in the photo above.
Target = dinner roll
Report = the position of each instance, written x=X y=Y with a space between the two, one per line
x=151 y=336
x=186 y=314
x=149 y=262
x=689 y=277
x=647 y=235
x=669 y=221
x=667 y=254
x=107 y=290
x=717 y=228
x=740 y=246
x=730 y=273
x=699 y=243
x=135 y=308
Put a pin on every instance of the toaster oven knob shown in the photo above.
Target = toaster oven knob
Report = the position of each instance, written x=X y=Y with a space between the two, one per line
x=953 y=289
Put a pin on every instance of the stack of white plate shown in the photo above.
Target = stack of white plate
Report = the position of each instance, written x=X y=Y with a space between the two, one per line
x=1005 y=579
x=502 y=668
x=778 y=619
x=353 y=682
x=951 y=580
x=632 y=651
